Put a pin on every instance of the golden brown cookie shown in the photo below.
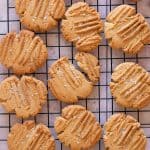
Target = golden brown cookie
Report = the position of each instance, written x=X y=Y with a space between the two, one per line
x=23 y=52
x=40 y=15
x=82 y=26
x=28 y=136
x=89 y=64
x=25 y=96
x=127 y=30
x=122 y=132
x=130 y=85
x=67 y=84
x=77 y=128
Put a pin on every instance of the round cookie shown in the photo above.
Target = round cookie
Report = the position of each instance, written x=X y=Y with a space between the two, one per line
x=23 y=52
x=30 y=136
x=82 y=26
x=40 y=15
x=77 y=128
x=122 y=132
x=89 y=64
x=127 y=30
x=66 y=83
x=130 y=85
x=25 y=96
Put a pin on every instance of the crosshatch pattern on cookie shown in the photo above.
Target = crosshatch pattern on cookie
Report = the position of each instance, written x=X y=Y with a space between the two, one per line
x=41 y=15
x=82 y=26
x=67 y=83
x=123 y=132
x=24 y=96
x=77 y=128
x=30 y=135
x=127 y=30
x=130 y=85
x=23 y=52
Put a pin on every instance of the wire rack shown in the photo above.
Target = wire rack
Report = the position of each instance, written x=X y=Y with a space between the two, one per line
x=100 y=102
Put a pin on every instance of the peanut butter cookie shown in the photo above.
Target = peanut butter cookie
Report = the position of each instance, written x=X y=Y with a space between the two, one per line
x=77 y=128
x=23 y=52
x=25 y=96
x=40 y=15
x=89 y=64
x=122 y=132
x=67 y=83
x=127 y=30
x=28 y=136
x=130 y=85
x=82 y=26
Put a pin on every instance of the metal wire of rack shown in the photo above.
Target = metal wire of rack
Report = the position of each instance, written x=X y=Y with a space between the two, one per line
x=100 y=102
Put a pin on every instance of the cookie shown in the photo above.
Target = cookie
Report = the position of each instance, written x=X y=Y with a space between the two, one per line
x=66 y=83
x=122 y=132
x=24 y=96
x=82 y=26
x=89 y=64
x=23 y=52
x=127 y=30
x=77 y=128
x=40 y=15
x=28 y=136
x=130 y=85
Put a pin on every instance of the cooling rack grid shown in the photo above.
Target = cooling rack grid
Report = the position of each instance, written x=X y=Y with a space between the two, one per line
x=100 y=102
